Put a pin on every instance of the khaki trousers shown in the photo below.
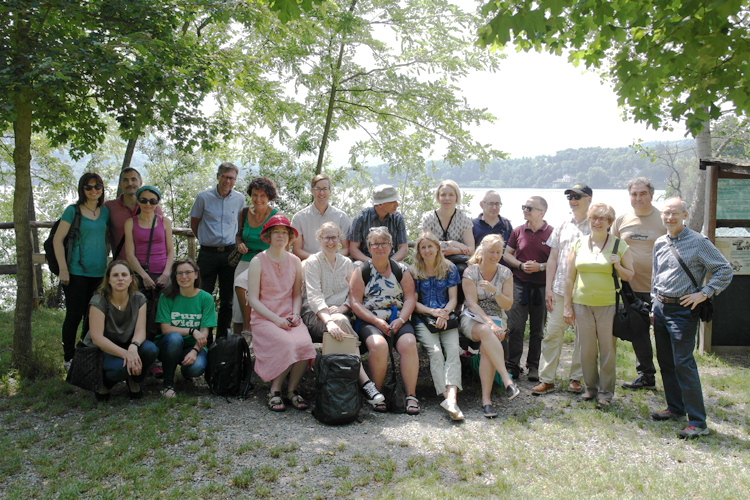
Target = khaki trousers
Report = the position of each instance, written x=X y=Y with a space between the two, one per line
x=552 y=346
x=596 y=340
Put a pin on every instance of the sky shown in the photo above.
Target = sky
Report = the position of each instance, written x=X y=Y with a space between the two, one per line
x=543 y=104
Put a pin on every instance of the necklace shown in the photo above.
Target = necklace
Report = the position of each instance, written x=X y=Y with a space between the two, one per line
x=595 y=248
x=92 y=211
x=118 y=306
x=259 y=220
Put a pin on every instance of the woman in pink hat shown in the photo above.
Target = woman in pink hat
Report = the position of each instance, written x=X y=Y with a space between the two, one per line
x=281 y=341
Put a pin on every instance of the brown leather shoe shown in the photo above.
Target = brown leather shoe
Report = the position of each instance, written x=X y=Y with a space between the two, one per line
x=575 y=386
x=542 y=388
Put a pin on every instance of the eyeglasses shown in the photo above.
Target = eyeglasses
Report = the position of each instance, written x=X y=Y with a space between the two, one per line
x=329 y=239
x=379 y=245
x=227 y=178
x=527 y=208
x=89 y=187
x=184 y=273
x=574 y=196
x=670 y=214
x=379 y=228
x=599 y=219
x=321 y=190
x=493 y=204
x=148 y=201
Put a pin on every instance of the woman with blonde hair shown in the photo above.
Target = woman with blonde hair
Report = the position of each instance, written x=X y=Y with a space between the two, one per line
x=436 y=282
x=488 y=287
x=117 y=320
x=590 y=301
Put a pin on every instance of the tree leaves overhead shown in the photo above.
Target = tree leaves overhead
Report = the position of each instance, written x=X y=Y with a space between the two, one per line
x=668 y=59
x=386 y=68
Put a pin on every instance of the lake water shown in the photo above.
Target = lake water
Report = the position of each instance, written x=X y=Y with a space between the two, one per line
x=558 y=209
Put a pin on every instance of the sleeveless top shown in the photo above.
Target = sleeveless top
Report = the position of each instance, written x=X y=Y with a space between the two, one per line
x=251 y=238
x=158 y=259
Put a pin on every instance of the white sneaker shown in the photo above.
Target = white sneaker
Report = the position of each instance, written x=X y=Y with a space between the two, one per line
x=372 y=394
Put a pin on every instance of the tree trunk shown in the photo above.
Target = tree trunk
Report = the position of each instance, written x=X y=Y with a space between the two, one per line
x=129 y=150
x=22 y=357
x=35 y=248
x=332 y=99
x=697 y=210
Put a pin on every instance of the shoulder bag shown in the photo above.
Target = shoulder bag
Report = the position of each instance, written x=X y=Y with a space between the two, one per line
x=632 y=316
x=235 y=256
x=705 y=308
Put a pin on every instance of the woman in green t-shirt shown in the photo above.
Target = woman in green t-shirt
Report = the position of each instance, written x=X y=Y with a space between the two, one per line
x=590 y=301
x=186 y=313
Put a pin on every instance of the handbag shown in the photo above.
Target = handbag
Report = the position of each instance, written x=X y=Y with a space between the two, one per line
x=431 y=322
x=234 y=258
x=705 y=308
x=86 y=369
x=393 y=388
x=632 y=316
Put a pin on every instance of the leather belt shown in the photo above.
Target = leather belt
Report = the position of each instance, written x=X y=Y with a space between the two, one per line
x=225 y=248
x=669 y=300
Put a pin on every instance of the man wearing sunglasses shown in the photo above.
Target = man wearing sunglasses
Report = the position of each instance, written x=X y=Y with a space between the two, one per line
x=562 y=240
x=527 y=254
x=123 y=208
x=383 y=214
x=640 y=229
x=213 y=219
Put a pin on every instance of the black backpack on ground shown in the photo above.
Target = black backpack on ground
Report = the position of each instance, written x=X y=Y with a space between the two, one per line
x=229 y=367
x=49 y=247
x=337 y=396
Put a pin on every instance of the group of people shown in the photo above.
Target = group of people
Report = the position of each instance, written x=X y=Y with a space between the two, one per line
x=286 y=284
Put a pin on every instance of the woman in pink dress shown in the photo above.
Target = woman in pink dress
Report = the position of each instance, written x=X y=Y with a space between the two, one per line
x=281 y=341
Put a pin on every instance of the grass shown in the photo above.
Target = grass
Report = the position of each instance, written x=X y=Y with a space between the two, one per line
x=57 y=443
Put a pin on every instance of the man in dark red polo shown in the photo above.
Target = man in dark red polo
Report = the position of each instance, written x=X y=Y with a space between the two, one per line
x=527 y=255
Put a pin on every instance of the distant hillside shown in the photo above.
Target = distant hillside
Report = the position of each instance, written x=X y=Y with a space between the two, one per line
x=599 y=167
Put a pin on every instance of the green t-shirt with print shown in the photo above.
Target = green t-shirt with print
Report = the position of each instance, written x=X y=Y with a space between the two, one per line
x=187 y=312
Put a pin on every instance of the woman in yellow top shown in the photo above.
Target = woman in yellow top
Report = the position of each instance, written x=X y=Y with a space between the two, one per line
x=590 y=301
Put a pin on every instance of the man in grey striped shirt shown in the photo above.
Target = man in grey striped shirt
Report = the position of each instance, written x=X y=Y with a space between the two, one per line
x=675 y=313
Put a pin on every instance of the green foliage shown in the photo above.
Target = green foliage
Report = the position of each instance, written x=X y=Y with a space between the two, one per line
x=386 y=68
x=678 y=60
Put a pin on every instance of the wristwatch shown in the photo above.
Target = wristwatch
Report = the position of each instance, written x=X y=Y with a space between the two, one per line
x=542 y=266
x=137 y=344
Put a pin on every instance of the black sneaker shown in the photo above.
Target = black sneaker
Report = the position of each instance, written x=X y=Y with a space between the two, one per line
x=641 y=382
x=371 y=393
x=512 y=391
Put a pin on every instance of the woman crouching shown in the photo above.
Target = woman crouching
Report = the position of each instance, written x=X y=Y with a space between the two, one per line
x=117 y=326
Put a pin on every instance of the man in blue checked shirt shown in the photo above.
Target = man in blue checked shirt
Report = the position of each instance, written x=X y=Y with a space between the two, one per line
x=675 y=313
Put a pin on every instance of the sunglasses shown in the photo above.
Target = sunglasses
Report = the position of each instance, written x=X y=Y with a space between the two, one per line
x=527 y=208
x=150 y=201
x=89 y=187
x=573 y=196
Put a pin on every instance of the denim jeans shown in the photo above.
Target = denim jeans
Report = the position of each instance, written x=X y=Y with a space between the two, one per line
x=78 y=293
x=172 y=351
x=674 y=329
x=115 y=370
x=214 y=265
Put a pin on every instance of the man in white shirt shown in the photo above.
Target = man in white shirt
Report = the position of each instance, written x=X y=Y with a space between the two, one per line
x=308 y=220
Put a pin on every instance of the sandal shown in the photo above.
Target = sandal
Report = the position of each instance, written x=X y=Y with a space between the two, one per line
x=380 y=407
x=168 y=392
x=275 y=403
x=412 y=408
x=602 y=404
x=296 y=399
x=586 y=397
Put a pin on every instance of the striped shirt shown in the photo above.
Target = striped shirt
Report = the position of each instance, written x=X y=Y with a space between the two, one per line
x=699 y=254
